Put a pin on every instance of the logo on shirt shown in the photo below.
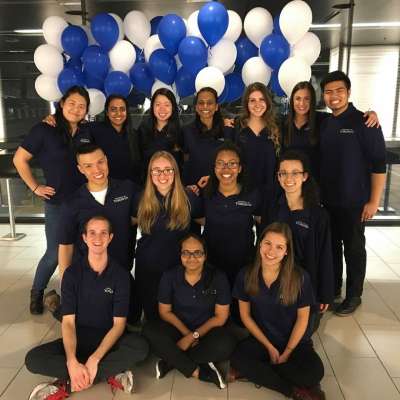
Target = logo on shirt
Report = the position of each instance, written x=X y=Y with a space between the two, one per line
x=303 y=224
x=84 y=140
x=346 y=131
x=108 y=290
x=243 y=203
x=120 y=198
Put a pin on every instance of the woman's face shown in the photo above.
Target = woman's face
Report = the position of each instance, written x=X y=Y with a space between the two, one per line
x=301 y=102
x=117 y=113
x=273 y=248
x=291 y=176
x=162 y=175
x=192 y=255
x=162 y=108
x=206 y=105
x=257 y=104
x=74 y=108
x=227 y=167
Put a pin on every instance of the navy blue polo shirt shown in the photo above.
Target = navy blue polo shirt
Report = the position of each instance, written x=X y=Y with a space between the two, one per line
x=194 y=305
x=274 y=319
x=201 y=148
x=228 y=229
x=259 y=155
x=118 y=208
x=57 y=158
x=350 y=153
x=95 y=299
x=312 y=243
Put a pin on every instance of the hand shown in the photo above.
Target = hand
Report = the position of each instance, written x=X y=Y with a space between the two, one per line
x=273 y=354
x=79 y=376
x=323 y=308
x=92 y=365
x=284 y=357
x=203 y=181
x=369 y=211
x=186 y=341
x=50 y=120
x=229 y=122
x=44 y=191
x=194 y=188
x=372 y=119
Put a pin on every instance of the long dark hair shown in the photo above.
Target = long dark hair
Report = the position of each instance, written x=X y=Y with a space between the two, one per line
x=109 y=99
x=314 y=139
x=309 y=188
x=63 y=127
x=217 y=129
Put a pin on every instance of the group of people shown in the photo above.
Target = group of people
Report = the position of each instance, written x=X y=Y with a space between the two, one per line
x=234 y=232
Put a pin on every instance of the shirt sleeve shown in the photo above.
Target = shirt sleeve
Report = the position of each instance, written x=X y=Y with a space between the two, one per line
x=223 y=289
x=306 y=296
x=135 y=203
x=239 y=289
x=165 y=289
x=69 y=292
x=196 y=205
x=121 y=294
x=34 y=141
x=68 y=229
x=374 y=144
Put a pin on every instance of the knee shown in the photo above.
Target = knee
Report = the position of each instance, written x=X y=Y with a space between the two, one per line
x=31 y=360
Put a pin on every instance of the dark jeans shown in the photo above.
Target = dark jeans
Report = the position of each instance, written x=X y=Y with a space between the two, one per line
x=348 y=238
x=304 y=368
x=48 y=263
x=217 y=345
x=49 y=358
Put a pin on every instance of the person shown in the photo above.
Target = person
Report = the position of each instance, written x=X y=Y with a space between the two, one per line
x=163 y=216
x=258 y=136
x=54 y=149
x=94 y=346
x=352 y=179
x=203 y=136
x=160 y=131
x=194 y=301
x=274 y=301
x=300 y=208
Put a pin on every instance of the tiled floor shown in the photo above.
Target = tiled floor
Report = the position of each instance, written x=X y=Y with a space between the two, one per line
x=361 y=353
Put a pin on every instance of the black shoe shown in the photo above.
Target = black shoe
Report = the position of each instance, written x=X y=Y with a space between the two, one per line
x=210 y=373
x=348 y=306
x=36 y=304
x=162 y=369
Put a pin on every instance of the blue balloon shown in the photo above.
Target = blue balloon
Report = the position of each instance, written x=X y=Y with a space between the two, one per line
x=74 y=63
x=222 y=97
x=193 y=53
x=274 y=84
x=274 y=50
x=96 y=62
x=154 y=22
x=171 y=31
x=139 y=55
x=277 y=27
x=74 y=40
x=163 y=66
x=213 y=21
x=117 y=82
x=184 y=81
x=91 y=82
x=245 y=50
x=105 y=30
x=142 y=77
x=235 y=86
x=67 y=78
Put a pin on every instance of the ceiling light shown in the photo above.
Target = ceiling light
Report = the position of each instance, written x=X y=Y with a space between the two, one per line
x=325 y=26
x=29 y=31
x=393 y=24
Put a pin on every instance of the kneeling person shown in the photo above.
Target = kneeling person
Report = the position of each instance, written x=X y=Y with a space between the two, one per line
x=94 y=345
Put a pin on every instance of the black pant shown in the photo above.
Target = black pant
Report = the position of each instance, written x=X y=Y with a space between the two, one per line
x=217 y=345
x=49 y=358
x=304 y=368
x=348 y=235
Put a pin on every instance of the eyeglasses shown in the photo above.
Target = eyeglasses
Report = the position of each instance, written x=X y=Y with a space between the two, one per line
x=294 y=174
x=230 y=164
x=195 y=254
x=165 y=171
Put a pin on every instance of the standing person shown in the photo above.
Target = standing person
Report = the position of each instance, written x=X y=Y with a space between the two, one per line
x=194 y=301
x=299 y=207
x=54 y=148
x=94 y=345
x=274 y=300
x=352 y=179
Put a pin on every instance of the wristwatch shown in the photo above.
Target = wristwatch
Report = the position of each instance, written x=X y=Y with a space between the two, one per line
x=196 y=335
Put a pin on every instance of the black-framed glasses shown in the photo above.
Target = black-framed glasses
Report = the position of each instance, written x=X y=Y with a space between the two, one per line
x=165 y=171
x=232 y=164
x=294 y=174
x=195 y=254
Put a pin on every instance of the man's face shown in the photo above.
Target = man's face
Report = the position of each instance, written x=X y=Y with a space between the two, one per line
x=336 y=96
x=94 y=166
x=97 y=236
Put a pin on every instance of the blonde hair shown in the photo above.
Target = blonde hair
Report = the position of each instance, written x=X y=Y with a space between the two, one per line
x=176 y=204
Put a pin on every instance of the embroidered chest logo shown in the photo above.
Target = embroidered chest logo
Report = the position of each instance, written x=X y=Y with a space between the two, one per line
x=84 y=140
x=243 y=203
x=108 y=290
x=346 y=131
x=120 y=198
x=303 y=224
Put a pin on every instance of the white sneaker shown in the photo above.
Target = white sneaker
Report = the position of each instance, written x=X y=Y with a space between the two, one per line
x=45 y=390
x=122 y=381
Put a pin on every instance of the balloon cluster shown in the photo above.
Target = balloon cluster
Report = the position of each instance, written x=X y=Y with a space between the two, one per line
x=207 y=49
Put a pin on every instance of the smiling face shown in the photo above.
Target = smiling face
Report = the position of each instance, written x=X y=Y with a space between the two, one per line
x=336 y=96
x=97 y=236
x=291 y=176
x=206 y=105
x=227 y=167
x=117 y=113
x=192 y=255
x=273 y=248
x=301 y=102
x=74 y=108
x=95 y=168
x=162 y=175
x=257 y=104
x=162 y=108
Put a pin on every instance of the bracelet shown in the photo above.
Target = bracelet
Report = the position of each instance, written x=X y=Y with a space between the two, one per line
x=34 y=190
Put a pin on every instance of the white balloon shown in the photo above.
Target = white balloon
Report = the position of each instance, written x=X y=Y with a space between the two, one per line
x=137 y=28
x=192 y=28
x=122 y=56
x=48 y=60
x=118 y=20
x=234 y=27
x=210 y=77
x=292 y=71
x=258 y=23
x=308 y=48
x=222 y=55
x=97 y=101
x=158 y=85
x=47 y=88
x=52 y=30
x=295 y=20
x=255 y=70
x=152 y=44
x=91 y=39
